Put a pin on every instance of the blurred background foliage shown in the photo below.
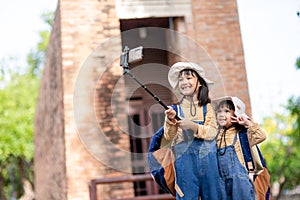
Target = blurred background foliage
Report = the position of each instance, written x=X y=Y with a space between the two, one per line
x=19 y=86
x=282 y=146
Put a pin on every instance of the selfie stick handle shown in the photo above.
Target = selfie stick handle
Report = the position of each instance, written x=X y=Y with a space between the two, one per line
x=124 y=63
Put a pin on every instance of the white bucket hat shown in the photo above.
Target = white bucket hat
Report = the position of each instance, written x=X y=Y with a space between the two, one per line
x=179 y=66
x=239 y=106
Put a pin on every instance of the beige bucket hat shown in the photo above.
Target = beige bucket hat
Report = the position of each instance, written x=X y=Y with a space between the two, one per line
x=179 y=66
x=239 y=106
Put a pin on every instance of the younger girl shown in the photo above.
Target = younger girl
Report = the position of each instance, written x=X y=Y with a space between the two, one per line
x=232 y=119
x=196 y=167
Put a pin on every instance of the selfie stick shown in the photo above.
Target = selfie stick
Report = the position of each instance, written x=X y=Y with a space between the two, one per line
x=125 y=64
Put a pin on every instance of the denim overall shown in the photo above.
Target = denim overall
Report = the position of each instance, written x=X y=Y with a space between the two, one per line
x=196 y=167
x=238 y=186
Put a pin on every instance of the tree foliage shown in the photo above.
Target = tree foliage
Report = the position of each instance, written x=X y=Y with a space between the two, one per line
x=298 y=63
x=36 y=57
x=282 y=148
x=281 y=151
x=17 y=100
x=18 y=95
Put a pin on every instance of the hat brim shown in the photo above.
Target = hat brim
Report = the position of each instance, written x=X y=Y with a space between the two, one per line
x=179 y=66
x=215 y=102
x=235 y=100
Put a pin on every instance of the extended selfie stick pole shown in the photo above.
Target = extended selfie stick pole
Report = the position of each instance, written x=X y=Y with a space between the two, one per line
x=124 y=63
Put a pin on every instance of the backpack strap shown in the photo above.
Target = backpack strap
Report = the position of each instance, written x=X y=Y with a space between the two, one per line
x=261 y=157
x=246 y=149
x=204 y=112
x=175 y=108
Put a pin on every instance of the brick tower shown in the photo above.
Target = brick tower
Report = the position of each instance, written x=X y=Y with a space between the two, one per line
x=86 y=107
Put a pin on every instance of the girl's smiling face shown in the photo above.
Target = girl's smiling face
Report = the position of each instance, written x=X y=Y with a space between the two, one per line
x=188 y=83
x=224 y=114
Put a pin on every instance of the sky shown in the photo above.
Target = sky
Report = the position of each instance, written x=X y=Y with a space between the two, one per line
x=270 y=32
x=271 y=39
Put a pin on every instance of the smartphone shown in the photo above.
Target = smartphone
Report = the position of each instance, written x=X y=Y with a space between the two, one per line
x=135 y=55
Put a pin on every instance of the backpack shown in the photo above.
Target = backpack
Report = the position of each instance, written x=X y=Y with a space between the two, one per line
x=256 y=167
x=161 y=161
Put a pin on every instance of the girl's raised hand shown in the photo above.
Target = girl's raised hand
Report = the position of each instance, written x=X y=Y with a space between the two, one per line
x=241 y=120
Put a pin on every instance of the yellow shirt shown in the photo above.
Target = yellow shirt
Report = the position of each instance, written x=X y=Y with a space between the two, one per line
x=255 y=134
x=208 y=131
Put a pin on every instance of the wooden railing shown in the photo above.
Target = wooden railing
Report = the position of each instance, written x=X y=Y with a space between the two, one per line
x=131 y=178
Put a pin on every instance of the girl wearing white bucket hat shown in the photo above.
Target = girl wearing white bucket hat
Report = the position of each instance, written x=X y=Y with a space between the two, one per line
x=196 y=167
x=232 y=119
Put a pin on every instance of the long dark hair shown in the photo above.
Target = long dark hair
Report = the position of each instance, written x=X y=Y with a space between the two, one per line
x=202 y=96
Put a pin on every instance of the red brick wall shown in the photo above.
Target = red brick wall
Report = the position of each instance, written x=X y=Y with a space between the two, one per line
x=67 y=138
x=217 y=28
x=49 y=155
x=86 y=25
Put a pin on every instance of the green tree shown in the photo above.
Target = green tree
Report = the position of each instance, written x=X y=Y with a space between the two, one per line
x=298 y=63
x=281 y=151
x=18 y=95
x=17 y=100
x=36 y=57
